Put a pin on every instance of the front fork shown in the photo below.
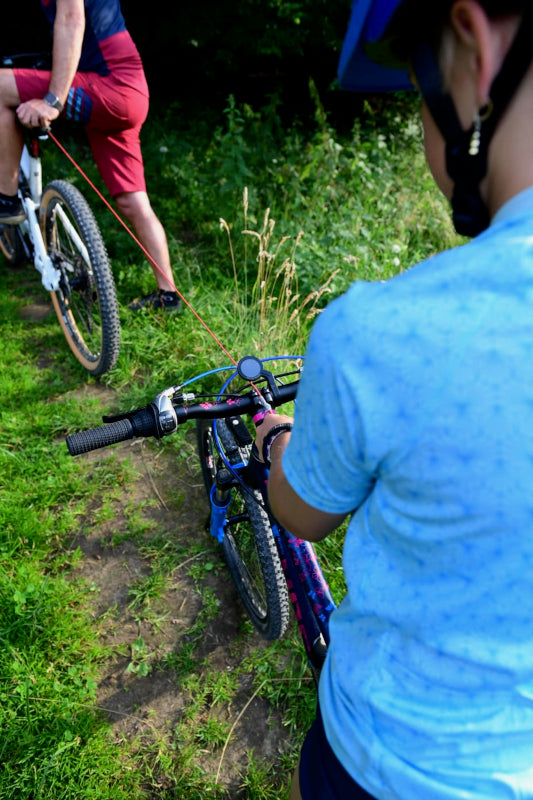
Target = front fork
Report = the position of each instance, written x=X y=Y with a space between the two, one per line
x=220 y=499
x=31 y=193
x=314 y=629
x=50 y=276
x=220 y=494
x=309 y=595
x=30 y=181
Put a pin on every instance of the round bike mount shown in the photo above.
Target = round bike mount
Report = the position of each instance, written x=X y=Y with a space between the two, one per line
x=250 y=368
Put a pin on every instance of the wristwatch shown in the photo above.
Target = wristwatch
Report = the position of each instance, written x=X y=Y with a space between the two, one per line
x=53 y=101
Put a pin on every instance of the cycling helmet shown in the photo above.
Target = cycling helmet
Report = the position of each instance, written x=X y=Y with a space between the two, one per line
x=359 y=69
x=384 y=36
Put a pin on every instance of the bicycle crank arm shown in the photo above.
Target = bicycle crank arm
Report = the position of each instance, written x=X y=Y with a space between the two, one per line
x=50 y=275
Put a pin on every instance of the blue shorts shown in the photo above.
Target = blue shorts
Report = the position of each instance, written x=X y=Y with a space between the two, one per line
x=322 y=776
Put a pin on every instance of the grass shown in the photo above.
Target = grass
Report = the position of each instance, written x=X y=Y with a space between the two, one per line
x=265 y=225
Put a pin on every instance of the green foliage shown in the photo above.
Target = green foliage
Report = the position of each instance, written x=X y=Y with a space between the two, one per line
x=48 y=667
x=254 y=45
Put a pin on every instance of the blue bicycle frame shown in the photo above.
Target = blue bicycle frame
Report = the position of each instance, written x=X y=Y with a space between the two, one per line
x=309 y=592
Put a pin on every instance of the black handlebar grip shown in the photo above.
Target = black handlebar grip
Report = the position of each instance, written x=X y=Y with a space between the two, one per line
x=114 y=432
x=144 y=422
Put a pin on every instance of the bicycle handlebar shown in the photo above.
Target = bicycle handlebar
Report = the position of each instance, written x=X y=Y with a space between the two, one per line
x=163 y=416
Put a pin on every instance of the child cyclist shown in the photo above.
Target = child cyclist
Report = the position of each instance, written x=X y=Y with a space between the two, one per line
x=422 y=433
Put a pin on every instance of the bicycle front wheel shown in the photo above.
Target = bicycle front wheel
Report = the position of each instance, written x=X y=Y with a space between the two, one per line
x=86 y=301
x=248 y=546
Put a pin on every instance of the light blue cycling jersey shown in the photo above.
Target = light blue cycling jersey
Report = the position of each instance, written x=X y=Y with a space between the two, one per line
x=415 y=411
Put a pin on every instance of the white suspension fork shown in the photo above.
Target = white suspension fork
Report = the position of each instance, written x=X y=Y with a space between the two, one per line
x=32 y=170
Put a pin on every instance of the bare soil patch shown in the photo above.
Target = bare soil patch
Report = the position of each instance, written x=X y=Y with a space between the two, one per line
x=36 y=312
x=142 y=694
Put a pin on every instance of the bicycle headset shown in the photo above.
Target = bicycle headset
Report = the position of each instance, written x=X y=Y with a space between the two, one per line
x=386 y=38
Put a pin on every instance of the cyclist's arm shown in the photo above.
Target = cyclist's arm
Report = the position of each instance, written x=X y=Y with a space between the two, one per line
x=297 y=516
x=69 y=27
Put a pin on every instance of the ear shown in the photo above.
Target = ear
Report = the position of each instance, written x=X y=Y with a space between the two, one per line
x=484 y=41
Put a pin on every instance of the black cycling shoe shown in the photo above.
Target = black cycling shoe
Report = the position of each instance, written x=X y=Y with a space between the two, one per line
x=11 y=211
x=168 y=301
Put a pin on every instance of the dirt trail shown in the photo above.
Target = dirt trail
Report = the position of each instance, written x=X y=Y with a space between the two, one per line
x=167 y=502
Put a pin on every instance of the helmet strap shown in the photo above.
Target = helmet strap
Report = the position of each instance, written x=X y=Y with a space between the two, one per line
x=467 y=151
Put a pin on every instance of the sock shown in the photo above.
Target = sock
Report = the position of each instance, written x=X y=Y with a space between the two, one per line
x=11 y=198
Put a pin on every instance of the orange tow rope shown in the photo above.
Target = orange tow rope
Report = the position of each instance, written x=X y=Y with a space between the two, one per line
x=145 y=251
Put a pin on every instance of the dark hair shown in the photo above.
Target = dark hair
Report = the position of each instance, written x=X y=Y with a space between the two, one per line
x=424 y=20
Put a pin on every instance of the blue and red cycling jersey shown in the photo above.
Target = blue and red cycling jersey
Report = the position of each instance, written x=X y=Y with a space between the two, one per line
x=108 y=95
x=103 y=19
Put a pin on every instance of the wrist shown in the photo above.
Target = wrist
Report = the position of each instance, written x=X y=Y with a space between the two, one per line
x=271 y=437
x=53 y=101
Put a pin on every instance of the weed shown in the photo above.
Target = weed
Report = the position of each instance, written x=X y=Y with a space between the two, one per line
x=211 y=733
x=260 y=781
x=140 y=663
x=144 y=591
x=267 y=302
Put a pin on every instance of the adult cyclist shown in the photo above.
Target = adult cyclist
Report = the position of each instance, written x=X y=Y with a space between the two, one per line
x=97 y=80
x=422 y=433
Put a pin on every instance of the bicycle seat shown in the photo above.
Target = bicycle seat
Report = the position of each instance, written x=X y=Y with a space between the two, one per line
x=28 y=60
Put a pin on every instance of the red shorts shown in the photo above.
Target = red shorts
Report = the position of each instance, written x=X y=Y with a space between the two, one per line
x=111 y=111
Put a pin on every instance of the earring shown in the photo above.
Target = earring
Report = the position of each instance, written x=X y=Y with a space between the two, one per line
x=475 y=140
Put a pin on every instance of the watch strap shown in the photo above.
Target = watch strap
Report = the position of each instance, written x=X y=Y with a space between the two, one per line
x=53 y=101
x=272 y=435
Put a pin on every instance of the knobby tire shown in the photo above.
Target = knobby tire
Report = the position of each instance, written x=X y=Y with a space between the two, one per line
x=85 y=302
x=248 y=546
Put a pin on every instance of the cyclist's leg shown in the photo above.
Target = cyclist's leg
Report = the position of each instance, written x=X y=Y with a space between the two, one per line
x=135 y=206
x=10 y=135
x=294 y=793
x=119 y=159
